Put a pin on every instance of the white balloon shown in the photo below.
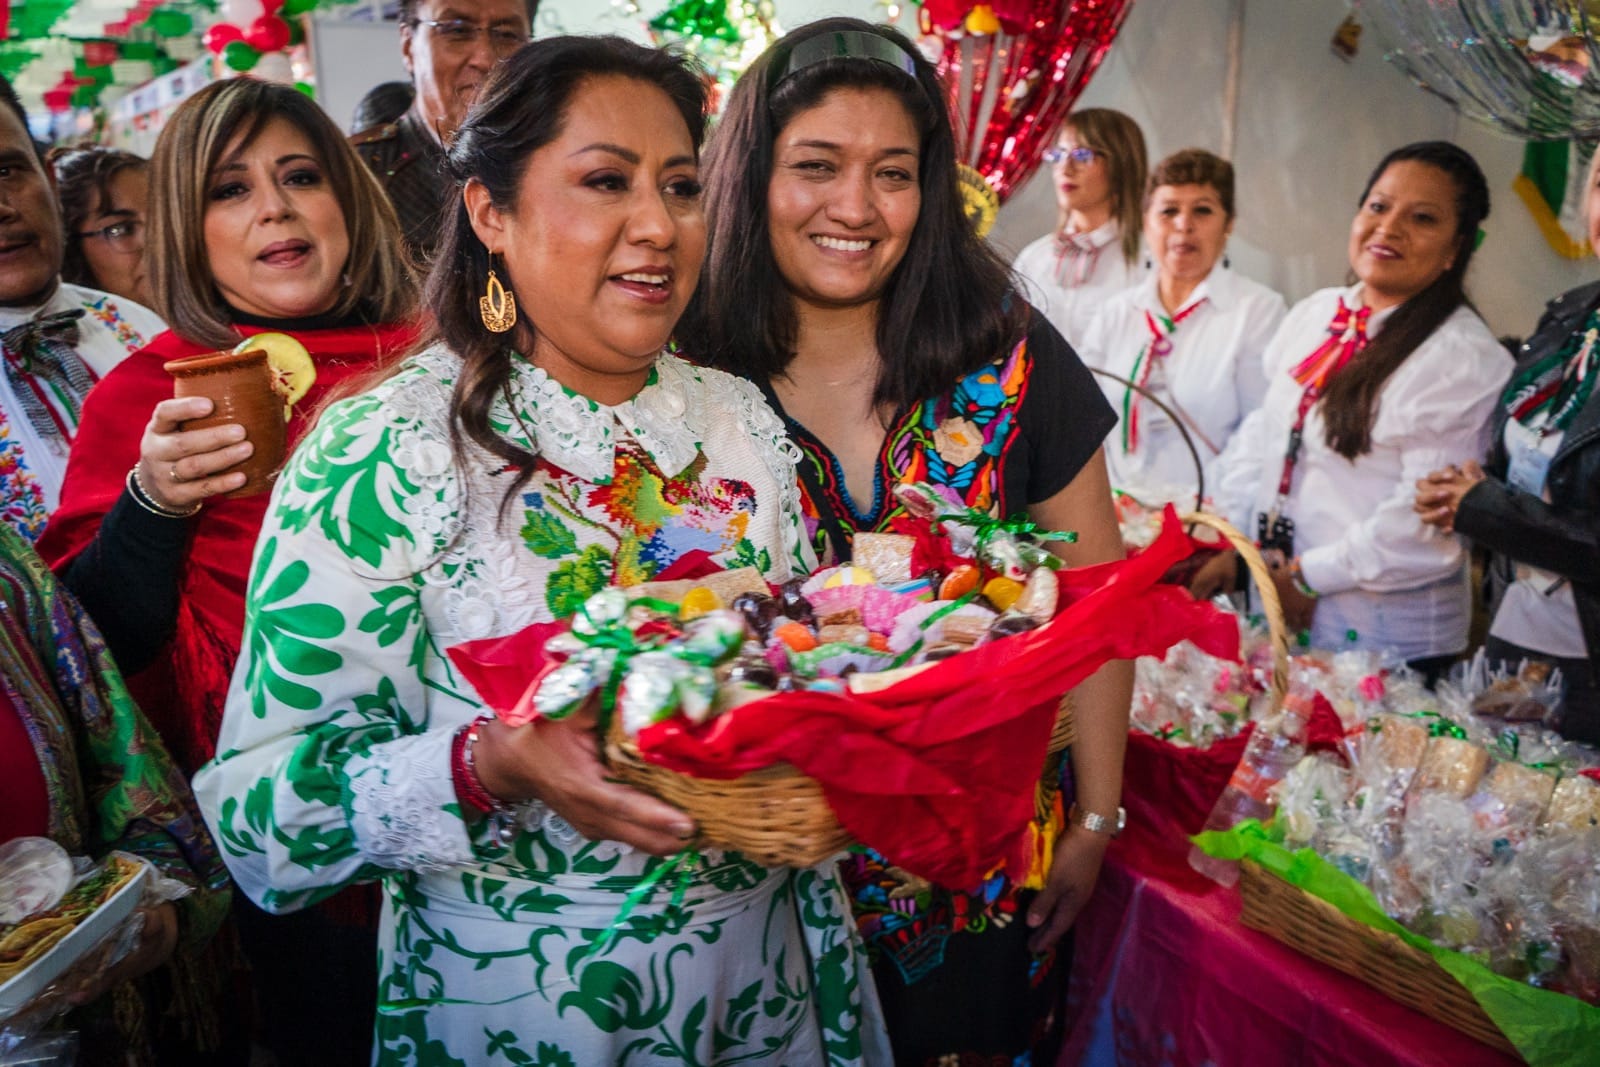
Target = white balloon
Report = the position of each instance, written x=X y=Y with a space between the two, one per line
x=240 y=12
x=274 y=67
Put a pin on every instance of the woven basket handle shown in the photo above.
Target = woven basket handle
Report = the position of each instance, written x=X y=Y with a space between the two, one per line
x=1268 y=592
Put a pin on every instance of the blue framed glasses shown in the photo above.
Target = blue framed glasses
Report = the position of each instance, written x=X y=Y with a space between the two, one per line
x=1080 y=156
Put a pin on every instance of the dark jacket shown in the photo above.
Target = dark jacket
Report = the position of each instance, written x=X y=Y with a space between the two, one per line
x=1564 y=536
x=409 y=164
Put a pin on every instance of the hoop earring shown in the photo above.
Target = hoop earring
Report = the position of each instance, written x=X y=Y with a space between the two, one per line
x=497 y=307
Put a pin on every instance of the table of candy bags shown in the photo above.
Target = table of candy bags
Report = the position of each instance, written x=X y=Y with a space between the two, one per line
x=1472 y=823
x=917 y=684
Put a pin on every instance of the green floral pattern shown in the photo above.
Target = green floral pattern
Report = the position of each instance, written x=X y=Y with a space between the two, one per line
x=378 y=553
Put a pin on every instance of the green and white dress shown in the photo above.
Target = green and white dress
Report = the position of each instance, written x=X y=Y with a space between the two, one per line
x=378 y=553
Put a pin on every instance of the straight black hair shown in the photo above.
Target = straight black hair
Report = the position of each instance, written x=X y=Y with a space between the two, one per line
x=1350 y=404
x=947 y=310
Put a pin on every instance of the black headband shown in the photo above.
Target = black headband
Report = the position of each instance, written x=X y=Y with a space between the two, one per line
x=846 y=44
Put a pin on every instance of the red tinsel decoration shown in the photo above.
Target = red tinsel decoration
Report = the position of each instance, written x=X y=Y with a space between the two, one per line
x=1042 y=58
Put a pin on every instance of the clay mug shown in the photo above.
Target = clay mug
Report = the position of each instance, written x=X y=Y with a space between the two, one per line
x=239 y=385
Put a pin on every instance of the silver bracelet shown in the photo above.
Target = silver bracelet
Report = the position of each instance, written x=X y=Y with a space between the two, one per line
x=142 y=497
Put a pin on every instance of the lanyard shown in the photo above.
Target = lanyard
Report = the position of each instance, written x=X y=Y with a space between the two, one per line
x=1347 y=336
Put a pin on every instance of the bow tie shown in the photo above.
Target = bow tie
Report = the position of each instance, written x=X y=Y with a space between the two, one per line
x=46 y=372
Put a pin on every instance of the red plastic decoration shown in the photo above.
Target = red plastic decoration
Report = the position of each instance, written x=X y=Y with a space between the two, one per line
x=271 y=7
x=269 y=33
x=1041 y=60
x=221 y=36
x=58 y=99
x=99 y=53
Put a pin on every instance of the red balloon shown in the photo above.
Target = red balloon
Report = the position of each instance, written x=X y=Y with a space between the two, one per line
x=269 y=33
x=271 y=7
x=221 y=36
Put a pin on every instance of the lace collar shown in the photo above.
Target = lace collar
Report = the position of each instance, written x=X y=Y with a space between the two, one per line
x=580 y=436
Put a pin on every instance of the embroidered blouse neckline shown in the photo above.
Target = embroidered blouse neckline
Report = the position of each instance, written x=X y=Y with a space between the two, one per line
x=581 y=435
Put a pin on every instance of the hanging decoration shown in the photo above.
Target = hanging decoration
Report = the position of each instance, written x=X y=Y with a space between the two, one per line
x=1524 y=67
x=1012 y=69
x=724 y=35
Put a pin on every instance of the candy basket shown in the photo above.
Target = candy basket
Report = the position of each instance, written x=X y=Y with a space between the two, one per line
x=776 y=816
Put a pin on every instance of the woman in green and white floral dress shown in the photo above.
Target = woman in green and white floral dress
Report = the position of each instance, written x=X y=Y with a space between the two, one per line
x=496 y=480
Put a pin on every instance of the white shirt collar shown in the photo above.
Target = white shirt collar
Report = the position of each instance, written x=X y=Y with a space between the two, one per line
x=60 y=300
x=580 y=435
x=1355 y=296
x=1219 y=287
x=1099 y=237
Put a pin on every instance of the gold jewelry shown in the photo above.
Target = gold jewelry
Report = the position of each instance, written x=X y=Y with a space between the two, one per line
x=498 y=307
x=142 y=497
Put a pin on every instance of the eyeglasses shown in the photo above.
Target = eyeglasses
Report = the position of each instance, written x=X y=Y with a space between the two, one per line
x=124 y=236
x=464 y=33
x=1081 y=156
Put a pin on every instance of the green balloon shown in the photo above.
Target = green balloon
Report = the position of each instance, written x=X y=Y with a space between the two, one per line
x=240 y=56
x=166 y=22
x=297 y=35
x=307 y=88
x=297 y=7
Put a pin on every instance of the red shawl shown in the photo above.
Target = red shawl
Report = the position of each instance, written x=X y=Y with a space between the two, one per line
x=184 y=690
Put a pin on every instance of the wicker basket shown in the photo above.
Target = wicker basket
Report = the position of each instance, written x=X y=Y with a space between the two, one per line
x=776 y=816
x=1378 y=958
x=1270 y=605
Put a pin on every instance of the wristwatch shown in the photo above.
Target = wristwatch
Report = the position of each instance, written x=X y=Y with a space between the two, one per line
x=1098 y=824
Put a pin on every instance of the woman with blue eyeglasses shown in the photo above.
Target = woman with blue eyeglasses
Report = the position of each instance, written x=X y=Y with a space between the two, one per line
x=1097 y=167
x=102 y=192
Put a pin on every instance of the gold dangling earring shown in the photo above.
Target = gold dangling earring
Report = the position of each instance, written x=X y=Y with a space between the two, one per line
x=498 y=307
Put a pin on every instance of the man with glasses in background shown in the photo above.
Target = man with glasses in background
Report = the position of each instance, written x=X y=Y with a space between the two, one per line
x=56 y=340
x=449 y=47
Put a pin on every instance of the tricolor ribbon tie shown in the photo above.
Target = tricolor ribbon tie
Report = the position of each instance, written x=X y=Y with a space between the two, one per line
x=1347 y=335
x=1158 y=347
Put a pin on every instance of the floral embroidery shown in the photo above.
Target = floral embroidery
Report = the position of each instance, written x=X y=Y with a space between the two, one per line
x=105 y=310
x=21 y=496
x=959 y=443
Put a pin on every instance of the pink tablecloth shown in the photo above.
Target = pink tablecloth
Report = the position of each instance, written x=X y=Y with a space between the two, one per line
x=1164 y=974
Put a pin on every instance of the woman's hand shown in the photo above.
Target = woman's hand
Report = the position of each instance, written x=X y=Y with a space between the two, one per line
x=559 y=764
x=180 y=468
x=158 y=936
x=1220 y=574
x=1298 y=608
x=1439 y=494
x=1073 y=873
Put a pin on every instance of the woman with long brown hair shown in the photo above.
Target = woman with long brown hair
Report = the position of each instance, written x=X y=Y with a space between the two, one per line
x=264 y=221
x=1097 y=169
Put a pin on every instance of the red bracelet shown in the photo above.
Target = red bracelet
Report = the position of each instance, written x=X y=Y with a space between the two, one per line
x=464 y=773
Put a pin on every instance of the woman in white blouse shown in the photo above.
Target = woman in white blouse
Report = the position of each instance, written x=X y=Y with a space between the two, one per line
x=1191 y=334
x=1370 y=387
x=1098 y=166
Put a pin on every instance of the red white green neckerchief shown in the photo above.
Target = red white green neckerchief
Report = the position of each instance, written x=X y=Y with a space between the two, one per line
x=1558 y=385
x=1080 y=251
x=1347 y=336
x=1158 y=347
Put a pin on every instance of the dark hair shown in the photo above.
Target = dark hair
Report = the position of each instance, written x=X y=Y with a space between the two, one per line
x=382 y=104
x=1194 y=166
x=408 y=11
x=947 y=309
x=1120 y=141
x=8 y=99
x=1350 y=404
x=522 y=108
x=83 y=182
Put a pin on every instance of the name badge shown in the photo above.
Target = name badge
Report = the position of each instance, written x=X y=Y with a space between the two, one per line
x=1530 y=466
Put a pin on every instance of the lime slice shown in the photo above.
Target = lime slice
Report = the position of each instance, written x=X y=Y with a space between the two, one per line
x=290 y=363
